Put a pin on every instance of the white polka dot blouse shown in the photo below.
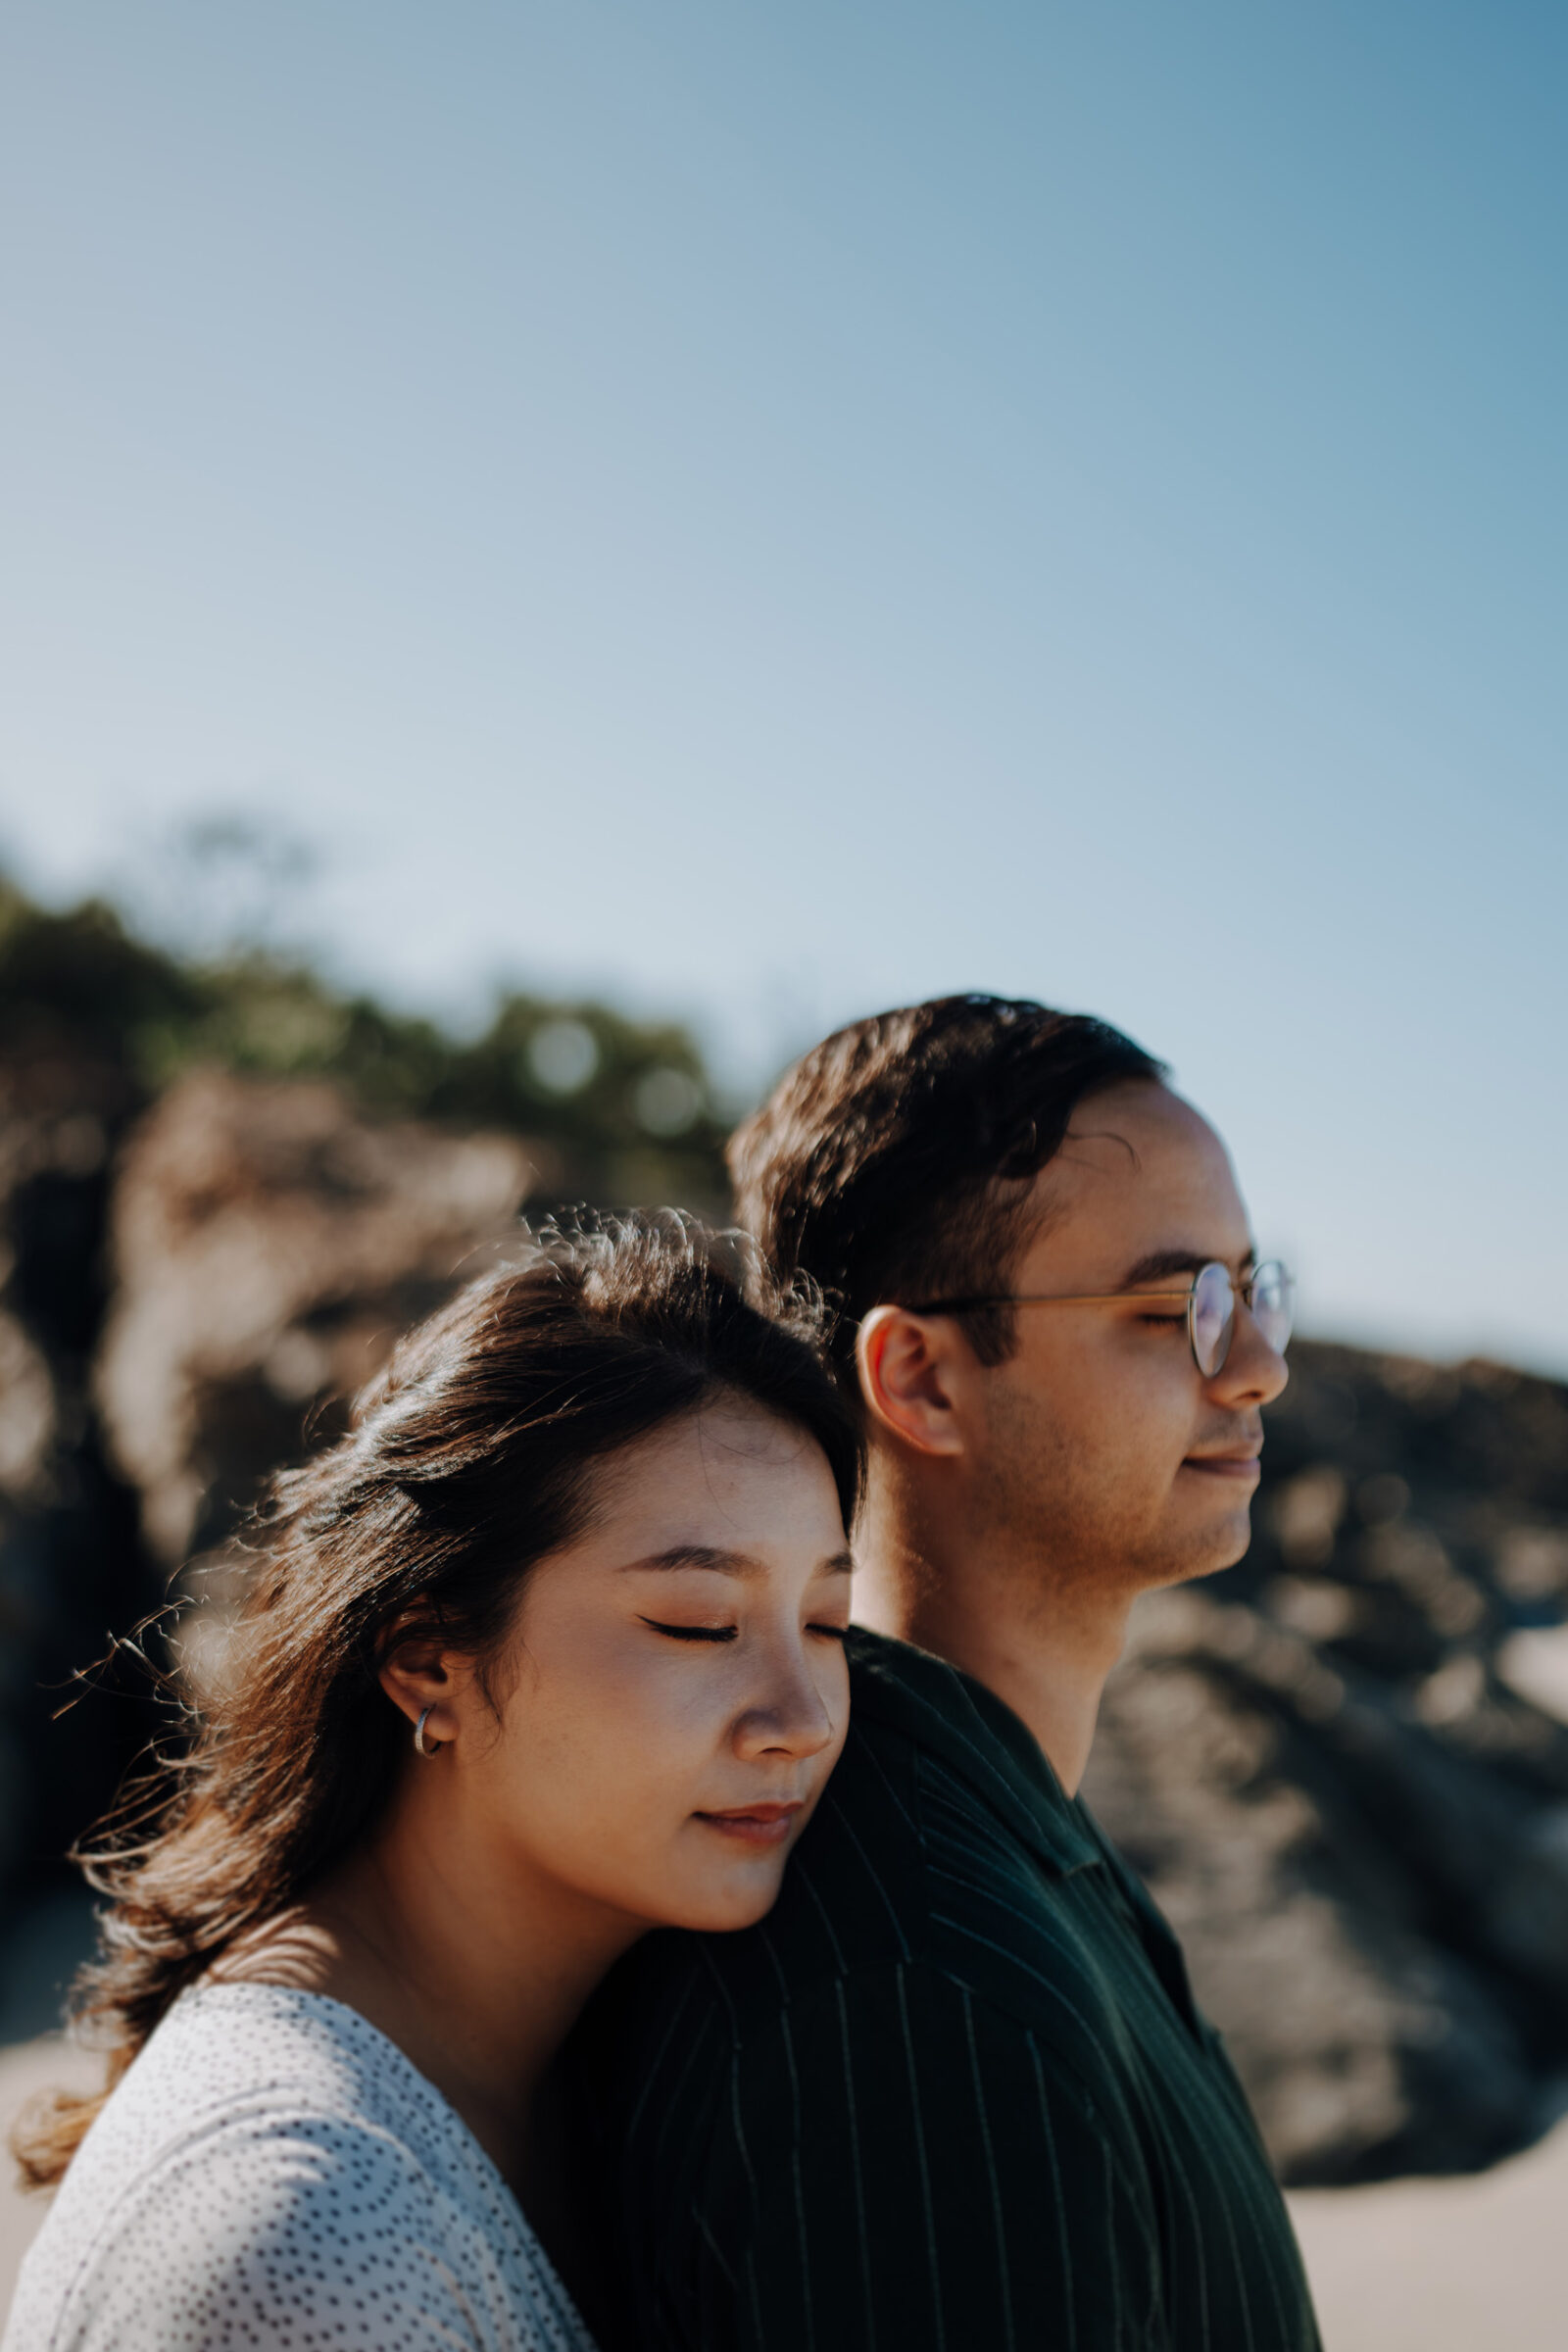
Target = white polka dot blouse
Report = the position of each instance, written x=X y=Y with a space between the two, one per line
x=273 y=2176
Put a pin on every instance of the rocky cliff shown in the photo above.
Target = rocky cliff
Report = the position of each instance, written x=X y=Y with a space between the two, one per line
x=223 y=1188
x=1344 y=1764
x=1327 y=1765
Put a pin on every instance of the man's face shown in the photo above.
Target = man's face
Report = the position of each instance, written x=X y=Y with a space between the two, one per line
x=1099 y=1446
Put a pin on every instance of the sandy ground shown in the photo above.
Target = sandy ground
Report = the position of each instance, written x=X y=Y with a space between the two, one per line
x=27 y=2067
x=1444 y=2265
x=1416 y=2266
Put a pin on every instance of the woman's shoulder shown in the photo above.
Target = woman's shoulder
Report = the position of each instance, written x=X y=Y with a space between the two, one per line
x=247 y=2049
x=237 y=2072
x=269 y=2151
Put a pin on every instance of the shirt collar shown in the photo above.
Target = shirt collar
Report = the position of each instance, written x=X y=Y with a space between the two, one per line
x=979 y=1737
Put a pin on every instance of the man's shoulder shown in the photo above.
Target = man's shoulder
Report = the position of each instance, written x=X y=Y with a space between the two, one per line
x=855 y=1896
x=870 y=1886
x=922 y=1855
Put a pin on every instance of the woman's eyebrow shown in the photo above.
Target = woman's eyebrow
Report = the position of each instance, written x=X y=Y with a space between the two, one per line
x=700 y=1556
x=725 y=1564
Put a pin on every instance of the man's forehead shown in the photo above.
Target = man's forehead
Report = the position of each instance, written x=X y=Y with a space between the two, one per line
x=1141 y=1131
x=1141 y=1172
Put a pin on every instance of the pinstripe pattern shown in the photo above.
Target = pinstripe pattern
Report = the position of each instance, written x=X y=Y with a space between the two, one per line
x=953 y=2094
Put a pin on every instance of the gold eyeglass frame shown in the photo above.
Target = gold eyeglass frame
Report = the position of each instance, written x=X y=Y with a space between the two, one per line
x=1241 y=1291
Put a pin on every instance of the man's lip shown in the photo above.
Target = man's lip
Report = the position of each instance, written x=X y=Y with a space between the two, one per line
x=756 y=1825
x=1236 y=1464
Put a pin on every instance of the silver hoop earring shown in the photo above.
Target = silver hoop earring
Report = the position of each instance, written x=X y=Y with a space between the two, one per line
x=420 y=1747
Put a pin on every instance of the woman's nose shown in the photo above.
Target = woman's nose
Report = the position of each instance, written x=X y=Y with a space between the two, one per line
x=788 y=1716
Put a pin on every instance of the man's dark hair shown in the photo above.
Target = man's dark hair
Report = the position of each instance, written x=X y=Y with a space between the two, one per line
x=894 y=1161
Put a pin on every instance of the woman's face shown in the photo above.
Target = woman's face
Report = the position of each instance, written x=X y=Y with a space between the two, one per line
x=679 y=1692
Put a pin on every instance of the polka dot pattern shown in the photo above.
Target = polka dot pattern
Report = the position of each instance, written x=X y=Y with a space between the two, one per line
x=273 y=2176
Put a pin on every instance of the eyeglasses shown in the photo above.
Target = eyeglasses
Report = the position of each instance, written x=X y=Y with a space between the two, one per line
x=1210 y=1300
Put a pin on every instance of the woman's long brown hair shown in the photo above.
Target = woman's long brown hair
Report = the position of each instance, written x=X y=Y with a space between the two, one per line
x=466 y=1461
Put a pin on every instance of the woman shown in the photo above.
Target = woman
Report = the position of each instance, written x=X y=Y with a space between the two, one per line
x=545 y=1654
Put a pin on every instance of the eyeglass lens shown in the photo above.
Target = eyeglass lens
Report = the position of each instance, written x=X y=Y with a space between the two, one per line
x=1273 y=1299
x=1213 y=1311
x=1213 y=1318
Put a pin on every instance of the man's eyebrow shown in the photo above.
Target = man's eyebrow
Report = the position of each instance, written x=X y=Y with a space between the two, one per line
x=1160 y=1262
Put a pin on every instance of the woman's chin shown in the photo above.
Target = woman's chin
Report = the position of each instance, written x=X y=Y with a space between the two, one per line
x=723 y=1910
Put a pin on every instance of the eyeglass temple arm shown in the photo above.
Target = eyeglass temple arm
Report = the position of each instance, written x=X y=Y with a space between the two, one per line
x=962 y=1307
x=959 y=1307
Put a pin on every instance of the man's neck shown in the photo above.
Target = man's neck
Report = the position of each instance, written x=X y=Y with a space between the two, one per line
x=1041 y=1642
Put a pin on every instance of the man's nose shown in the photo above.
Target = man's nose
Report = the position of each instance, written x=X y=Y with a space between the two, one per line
x=1253 y=1372
x=788 y=1715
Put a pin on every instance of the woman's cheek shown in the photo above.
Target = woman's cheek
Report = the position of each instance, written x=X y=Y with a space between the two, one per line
x=621 y=1748
x=835 y=1688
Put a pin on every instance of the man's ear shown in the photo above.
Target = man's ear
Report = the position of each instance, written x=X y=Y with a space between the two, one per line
x=906 y=1362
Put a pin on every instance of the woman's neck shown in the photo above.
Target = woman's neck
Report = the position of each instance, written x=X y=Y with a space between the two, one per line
x=476 y=1971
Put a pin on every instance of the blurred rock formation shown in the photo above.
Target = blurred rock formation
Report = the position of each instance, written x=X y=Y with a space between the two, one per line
x=72 y=1563
x=1344 y=1764
x=269 y=1244
x=292 y=1173
x=1329 y=1766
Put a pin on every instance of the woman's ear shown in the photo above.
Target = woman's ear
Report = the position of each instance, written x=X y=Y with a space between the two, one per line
x=420 y=1678
x=905 y=1362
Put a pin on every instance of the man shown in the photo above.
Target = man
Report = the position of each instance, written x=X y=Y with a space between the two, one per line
x=954 y=2092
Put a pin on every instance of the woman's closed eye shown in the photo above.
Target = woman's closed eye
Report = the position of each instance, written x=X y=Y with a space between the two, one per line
x=728 y=1632
x=694 y=1633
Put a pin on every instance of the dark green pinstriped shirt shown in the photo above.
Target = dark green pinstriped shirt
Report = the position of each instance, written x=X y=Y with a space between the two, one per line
x=952 y=2095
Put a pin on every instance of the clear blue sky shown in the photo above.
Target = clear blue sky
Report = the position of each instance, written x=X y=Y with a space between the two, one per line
x=771 y=511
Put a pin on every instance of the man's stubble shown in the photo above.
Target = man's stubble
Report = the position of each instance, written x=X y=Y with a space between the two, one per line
x=1071 y=1521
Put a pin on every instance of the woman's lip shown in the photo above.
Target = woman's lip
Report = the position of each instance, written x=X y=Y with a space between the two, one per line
x=756 y=1825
